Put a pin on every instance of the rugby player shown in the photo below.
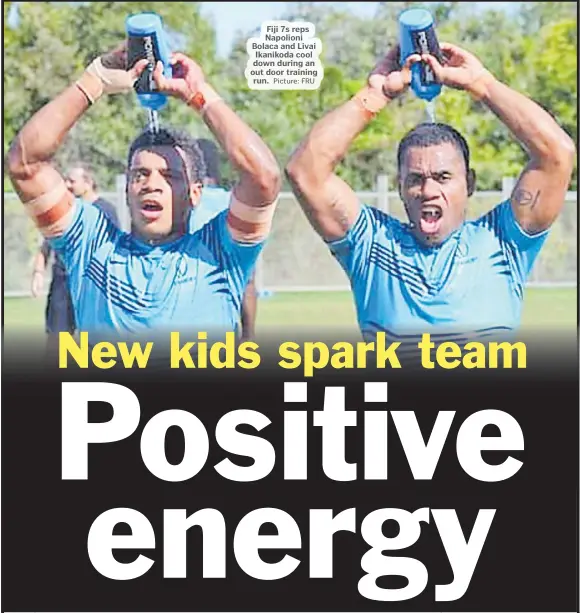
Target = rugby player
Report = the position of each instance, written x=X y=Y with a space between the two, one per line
x=437 y=272
x=157 y=275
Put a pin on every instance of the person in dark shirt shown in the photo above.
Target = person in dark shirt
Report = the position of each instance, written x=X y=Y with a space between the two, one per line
x=59 y=313
x=80 y=180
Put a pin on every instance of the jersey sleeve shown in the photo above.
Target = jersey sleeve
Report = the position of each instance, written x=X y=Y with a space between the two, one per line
x=353 y=250
x=237 y=259
x=212 y=202
x=90 y=229
x=109 y=209
x=520 y=248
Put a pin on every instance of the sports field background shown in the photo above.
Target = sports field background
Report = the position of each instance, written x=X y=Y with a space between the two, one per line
x=544 y=308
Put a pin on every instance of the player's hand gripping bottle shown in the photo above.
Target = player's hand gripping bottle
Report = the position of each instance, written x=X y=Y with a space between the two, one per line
x=147 y=39
x=417 y=35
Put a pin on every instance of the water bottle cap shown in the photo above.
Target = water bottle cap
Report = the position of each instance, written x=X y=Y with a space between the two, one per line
x=143 y=23
x=416 y=19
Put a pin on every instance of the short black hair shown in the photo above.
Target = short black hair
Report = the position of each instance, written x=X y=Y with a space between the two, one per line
x=211 y=158
x=427 y=134
x=168 y=136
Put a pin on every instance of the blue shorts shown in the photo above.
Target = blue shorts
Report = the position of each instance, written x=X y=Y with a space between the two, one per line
x=59 y=312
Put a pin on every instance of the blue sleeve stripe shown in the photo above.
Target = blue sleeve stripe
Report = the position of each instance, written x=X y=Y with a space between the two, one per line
x=378 y=216
x=219 y=243
x=355 y=233
x=210 y=238
x=74 y=239
x=116 y=297
x=68 y=242
x=492 y=220
x=106 y=283
x=112 y=295
x=107 y=231
x=204 y=236
x=99 y=230
x=218 y=281
x=412 y=283
x=361 y=226
x=390 y=256
x=225 y=256
x=101 y=271
x=511 y=256
x=213 y=273
x=230 y=260
x=487 y=220
x=501 y=263
x=495 y=223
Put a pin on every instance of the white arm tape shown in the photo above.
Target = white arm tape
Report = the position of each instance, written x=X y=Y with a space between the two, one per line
x=45 y=201
x=250 y=223
x=253 y=214
x=53 y=211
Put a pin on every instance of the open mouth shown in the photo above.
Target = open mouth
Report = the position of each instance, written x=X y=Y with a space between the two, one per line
x=151 y=205
x=151 y=210
x=431 y=218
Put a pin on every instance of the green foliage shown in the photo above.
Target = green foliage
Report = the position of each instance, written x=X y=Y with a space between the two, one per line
x=532 y=47
x=49 y=49
x=525 y=48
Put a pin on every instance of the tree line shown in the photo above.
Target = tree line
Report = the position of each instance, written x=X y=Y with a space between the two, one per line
x=531 y=47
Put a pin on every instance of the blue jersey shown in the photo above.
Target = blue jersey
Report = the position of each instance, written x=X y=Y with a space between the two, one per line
x=122 y=285
x=472 y=283
x=213 y=201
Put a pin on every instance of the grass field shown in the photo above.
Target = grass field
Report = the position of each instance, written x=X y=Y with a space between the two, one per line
x=543 y=309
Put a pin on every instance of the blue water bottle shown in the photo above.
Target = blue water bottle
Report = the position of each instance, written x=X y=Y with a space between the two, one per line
x=147 y=40
x=417 y=35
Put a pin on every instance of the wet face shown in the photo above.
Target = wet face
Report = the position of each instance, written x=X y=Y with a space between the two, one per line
x=77 y=182
x=159 y=192
x=434 y=186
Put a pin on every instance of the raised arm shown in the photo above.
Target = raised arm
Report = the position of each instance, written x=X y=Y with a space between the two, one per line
x=540 y=191
x=329 y=203
x=256 y=192
x=39 y=185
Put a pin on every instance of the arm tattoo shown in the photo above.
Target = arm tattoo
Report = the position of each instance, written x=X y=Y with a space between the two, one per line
x=522 y=197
